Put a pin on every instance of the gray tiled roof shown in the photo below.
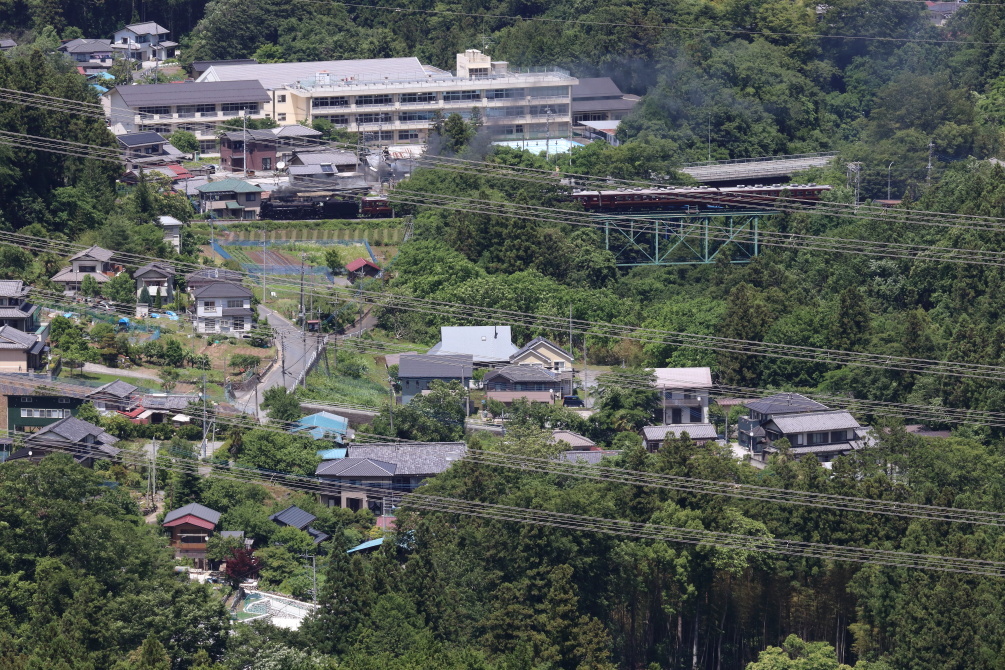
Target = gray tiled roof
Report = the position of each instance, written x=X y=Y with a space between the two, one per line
x=12 y=338
x=252 y=135
x=140 y=139
x=533 y=343
x=295 y=130
x=116 y=389
x=520 y=373
x=293 y=516
x=195 y=509
x=442 y=367
x=572 y=439
x=324 y=157
x=356 y=467
x=86 y=46
x=174 y=403
x=814 y=421
x=239 y=534
x=68 y=275
x=163 y=269
x=424 y=458
x=785 y=403
x=71 y=429
x=222 y=289
x=13 y=288
x=147 y=28
x=697 y=431
x=191 y=93
x=93 y=253
x=22 y=311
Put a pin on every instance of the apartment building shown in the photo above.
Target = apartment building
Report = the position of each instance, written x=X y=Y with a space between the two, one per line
x=394 y=100
x=196 y=107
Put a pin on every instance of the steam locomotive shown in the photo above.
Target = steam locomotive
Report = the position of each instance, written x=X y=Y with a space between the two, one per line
x=695 y=198
x=307 y=209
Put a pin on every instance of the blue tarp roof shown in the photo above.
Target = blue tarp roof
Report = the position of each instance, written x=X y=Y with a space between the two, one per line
x=333 y=454
x=371 y=544
x=322 y=423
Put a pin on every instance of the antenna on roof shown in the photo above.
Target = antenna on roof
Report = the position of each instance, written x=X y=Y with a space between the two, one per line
x=496 y=331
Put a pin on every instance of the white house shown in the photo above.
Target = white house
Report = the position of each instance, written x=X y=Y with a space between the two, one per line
x=223 y=307
x=144 y=41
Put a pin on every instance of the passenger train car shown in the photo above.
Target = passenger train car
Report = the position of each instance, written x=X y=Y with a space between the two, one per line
x=696 y=198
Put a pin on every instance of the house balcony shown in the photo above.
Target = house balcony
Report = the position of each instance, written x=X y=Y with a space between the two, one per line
x=682 y=402
x=188 y=546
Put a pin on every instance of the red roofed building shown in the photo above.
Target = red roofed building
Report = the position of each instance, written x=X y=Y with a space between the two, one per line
x=191 y=527
x=362 y=268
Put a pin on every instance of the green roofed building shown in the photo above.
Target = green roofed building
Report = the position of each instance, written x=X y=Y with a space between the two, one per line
x=230 y=199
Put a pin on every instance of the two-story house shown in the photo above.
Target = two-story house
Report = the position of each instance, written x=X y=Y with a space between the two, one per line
x=320 y=168
x=515 y=382
x=148 y=148
x=94 y=261
x=230 y=199
x=144 y=41
x=157 y=278
x=191 y=527
x=31 y=413
x=654 y=436
x=257 y=146
x=809 y=427
x=172 y=231
x=683 y=394
x=15 y=310
x=206 y=276
x=114 y=396
x=392 y=468
x=223 y=307
x=20 y=351
x=545 y=354
x=89 y=54
x=417 y=371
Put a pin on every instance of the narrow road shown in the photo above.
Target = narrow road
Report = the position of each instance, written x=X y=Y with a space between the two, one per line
x=119 y=372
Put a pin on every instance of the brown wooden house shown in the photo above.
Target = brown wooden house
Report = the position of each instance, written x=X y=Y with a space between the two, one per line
x=191 y=527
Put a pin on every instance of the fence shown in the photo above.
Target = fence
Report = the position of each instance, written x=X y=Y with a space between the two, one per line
x=389 y=235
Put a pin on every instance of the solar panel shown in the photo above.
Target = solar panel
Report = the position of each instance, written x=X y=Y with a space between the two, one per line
x=327 y=168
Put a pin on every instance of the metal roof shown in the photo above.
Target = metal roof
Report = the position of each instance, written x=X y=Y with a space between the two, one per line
x=323 y=158
x=533 y=344
x=239 y=534
x=68 y=275
x=357 y=467
x=86 y=46
x=423 y=458
x=195 y=509
x=223 y=289
x=359 y=264
x=254 y=135
x=163 y=269
x=146 y=28
x=293 y=516
x=163 y=401
x=213 y=275
x=191 y=93
x=369 y=544
x=521 y=373
x=296 y=130
x=587 y=457
x=591 y=87
x=229 y=186
x=683 y=378
x=572 y=439
x=140 y=139
x=807 y=422
x=785 y=403
x=276 y=75
x=441 y=367
x=200 y=66
x=697 y=431
x=486 y=344
x=610 y=104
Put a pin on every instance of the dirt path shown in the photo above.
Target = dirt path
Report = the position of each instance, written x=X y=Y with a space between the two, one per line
x=118 y=372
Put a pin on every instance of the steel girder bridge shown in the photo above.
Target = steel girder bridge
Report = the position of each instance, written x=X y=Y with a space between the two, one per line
x=668 y=238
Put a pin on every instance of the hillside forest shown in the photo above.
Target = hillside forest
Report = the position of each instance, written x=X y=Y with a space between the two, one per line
x=85 y=583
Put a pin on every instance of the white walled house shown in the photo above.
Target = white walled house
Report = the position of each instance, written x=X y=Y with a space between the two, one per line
x=144 y=41
x=223 y=308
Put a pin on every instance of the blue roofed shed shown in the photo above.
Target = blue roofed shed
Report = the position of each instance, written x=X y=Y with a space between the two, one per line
x=371 y=544
x=324 y=424
x=333 y=454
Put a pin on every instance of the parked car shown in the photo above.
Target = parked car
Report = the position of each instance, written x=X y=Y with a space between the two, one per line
x=572 y=401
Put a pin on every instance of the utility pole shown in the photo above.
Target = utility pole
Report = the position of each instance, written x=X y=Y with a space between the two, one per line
x=931 y=148
x=390 y=409
x=547 y=141
x=205 y=416
x=244 y=160
x=889 y=172
x=570 y=328
x=303 y=318
x=855 y=172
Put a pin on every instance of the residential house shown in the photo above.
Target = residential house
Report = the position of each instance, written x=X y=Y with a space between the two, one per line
x=325 y=425
x=206 y=276
x=223 y=307
x=148 y=148
x=7 y=44
x=144 y=41
x=116 y=396
x=155 y=408
x=257 y=146
x=196 y=107
x=15 y=310
x=30 y=413
x=157 y=278
x=238 y=535
x=486 y=344
x=230 y=199
x=939 y=13
x=600 y=99
x=684 y=394
x=295 y=136
x=654 y=436
x=810 y=428
x=393 y=468
x=361 y=268
x=394 y=100
x=297 y=518
x=515 y=382
x=191 y=527
x=576 y=441
x=93 y=261
x=417 y=371
x=321 y=168
x=172 y=231
x=91 y=55
x=20 y=351
x=543 y=353
x=82 y=440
